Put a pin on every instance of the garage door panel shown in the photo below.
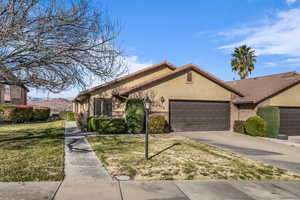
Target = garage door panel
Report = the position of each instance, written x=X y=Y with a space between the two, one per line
x=199 y=115
x=290 y=121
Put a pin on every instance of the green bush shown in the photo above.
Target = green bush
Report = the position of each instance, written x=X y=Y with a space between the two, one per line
x=93 y=123
x=256 y=126
x=135 y=115
x=70 y=116
x=239 y=126
x=157 y=124
x=41 y=113
x=272 y=116
x=22 y=113
x=111 y=125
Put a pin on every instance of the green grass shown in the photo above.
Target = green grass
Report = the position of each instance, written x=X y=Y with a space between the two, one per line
x=32 y=152
x=187 y=160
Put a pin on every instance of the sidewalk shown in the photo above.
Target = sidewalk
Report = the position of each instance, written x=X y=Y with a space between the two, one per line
x=84 y=173
x=87 y=179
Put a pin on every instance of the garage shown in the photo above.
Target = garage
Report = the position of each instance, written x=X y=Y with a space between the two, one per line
x=188 y=115
x=290 y=121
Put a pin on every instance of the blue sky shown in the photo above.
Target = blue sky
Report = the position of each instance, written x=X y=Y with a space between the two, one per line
x=204 y=33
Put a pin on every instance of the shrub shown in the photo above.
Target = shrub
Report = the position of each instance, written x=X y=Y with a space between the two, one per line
x=157 y=124
x=22 y=113
x=135 y=115
x=41 y=113
x=93 y=123
x=272 y=116
x=239 y=126
x=71 y=116
x=256 y=126
x=111 y=125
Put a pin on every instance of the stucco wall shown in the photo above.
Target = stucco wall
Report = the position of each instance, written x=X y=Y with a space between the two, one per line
x=118 y=107
x=177 y=88
x=290 y=97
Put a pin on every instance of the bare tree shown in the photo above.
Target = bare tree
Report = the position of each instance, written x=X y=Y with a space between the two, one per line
x=56 y=45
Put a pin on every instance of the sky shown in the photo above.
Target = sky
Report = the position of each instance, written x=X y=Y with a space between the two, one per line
x=204 y=33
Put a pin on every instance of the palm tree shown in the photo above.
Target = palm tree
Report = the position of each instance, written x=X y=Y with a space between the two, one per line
x=243 y=61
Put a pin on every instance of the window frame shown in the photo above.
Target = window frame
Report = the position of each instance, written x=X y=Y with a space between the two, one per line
x=103 y=112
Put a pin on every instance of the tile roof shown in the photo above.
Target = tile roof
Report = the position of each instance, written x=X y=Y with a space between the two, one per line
x=259 y=89
x=181 y=69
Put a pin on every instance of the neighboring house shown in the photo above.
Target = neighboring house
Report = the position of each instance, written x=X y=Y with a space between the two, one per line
x=13 y=94
x=280 y=90
x=190 y=98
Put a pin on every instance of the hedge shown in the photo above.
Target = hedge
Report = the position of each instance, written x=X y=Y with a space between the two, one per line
x=70 y=116
x=135 y=115
x=272 y=116
x=111 y=125
x=23 y=113
x=93 y=123
x=41 y=113
x=157 y=124
x=256 y=126
x=239 y=126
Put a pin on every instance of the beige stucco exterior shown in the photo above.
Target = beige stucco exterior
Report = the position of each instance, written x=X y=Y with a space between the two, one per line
x=288 y=97
x=200 y=88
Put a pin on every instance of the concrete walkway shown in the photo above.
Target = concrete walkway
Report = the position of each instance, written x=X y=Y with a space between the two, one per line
x=84 y=173
x=87 y=179
x=260 y=149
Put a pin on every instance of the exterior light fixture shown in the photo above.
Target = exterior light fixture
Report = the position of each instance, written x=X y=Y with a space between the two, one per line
x=162 y=99
x=147 y=105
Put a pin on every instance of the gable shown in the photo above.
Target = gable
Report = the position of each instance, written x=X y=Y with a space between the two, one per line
x=289 y=97
x=200 y=88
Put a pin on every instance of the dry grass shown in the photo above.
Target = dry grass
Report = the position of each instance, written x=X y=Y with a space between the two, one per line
x=187 y=160
x=32 y=152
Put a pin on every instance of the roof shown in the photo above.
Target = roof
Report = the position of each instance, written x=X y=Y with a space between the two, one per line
x=261 y=88
x=177 y=71
x=124 y=78
x=12 y=76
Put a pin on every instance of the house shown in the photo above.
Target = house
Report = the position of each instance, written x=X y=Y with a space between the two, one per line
x=280 y=90
x=13 y=94
x=192 y=99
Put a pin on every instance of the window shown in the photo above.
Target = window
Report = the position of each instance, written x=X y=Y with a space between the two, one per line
x=7 y=95
x=103 y=107
x=189 y=77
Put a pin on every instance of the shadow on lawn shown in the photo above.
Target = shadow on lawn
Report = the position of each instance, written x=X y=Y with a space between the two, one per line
x=165 y=149
x=23 y=139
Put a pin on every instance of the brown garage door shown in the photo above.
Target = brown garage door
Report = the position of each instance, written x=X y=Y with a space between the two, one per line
x=199 y=115
x=290 y=121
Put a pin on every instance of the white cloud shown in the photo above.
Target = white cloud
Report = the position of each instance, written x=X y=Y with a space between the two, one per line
x=278 y=37
x=290 y=2
x=135 y=64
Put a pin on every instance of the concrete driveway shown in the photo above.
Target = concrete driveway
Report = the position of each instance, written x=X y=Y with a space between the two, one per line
x=260 y=149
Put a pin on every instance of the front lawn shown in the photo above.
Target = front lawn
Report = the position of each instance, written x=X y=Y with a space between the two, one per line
x=32 y=152
x=187 y=159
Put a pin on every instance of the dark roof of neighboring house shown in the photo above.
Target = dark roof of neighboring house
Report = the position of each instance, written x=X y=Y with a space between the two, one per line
x=177 y=71
x=132 y=75
x=261 y=88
